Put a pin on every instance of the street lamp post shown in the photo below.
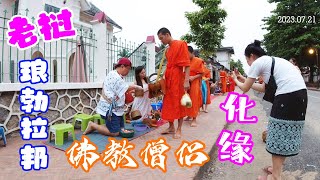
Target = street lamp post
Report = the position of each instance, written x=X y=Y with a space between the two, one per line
x=311 y=51
x=317 y=56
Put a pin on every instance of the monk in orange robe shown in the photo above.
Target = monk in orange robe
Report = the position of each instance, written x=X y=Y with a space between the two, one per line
x=176 y=79
x=232 y=83
x=228 y=83
x=196 y=72
x=223 y=79
x=206 y=77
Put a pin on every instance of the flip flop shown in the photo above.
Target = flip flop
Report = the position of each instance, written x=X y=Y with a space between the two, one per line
x=266 y=169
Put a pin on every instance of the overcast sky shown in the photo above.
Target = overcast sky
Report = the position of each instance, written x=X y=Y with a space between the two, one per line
x=142 y=18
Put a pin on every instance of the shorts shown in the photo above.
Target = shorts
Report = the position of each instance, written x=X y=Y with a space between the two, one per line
x=115 y=124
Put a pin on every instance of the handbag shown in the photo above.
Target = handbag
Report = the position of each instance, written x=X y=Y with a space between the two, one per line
x=159 y=87
x=271 y=87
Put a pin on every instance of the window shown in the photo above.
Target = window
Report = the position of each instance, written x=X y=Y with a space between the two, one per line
x=48 y=8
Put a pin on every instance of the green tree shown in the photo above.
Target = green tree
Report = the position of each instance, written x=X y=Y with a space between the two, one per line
x=285 y=39
x=124 y=53
x=238 y=65
x=206 y=26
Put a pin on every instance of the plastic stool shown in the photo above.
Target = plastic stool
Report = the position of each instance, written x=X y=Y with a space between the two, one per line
x=84 y=119
x=100 y=120
x=3 y=136
x=61 y=131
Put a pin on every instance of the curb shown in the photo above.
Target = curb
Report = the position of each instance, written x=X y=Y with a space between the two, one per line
x=212 y=154
x=313 y=89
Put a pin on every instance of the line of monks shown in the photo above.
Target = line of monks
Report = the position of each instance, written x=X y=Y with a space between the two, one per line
x=185 y=73
x=226 y=82
x=200 y=87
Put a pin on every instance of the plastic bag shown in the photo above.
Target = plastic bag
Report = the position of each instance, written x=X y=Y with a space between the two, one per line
x=186 y=101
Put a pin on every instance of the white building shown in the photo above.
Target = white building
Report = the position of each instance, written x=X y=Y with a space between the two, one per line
x=223 y=56
x=99 y=45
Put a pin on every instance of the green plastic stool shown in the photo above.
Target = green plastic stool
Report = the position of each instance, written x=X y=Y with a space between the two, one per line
x=61 y=131
x=97 y=117
x=84 y=119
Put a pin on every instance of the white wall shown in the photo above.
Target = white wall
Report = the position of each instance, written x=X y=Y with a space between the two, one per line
x=74 y=5
x=151 y=63
x=224 y=58
x=101 y=58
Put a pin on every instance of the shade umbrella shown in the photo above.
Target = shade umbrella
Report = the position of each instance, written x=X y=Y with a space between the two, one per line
x=78 y=67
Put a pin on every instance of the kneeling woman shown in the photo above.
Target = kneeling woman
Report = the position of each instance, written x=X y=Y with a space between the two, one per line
x=288 y=112
x=112 y=102
x=141 y=103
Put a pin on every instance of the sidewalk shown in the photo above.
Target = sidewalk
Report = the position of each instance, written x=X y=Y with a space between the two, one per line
x=313 y=89
x=209 y=127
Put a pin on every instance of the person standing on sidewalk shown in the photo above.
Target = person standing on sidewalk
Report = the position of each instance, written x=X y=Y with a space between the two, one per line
x=231 y=86
x=176 y=79
x=288 y=111
x=196 y=72
x=206 y=77
x=223 y=79
x=295 y=63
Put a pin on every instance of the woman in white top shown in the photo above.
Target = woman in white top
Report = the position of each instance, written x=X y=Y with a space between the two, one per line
x=287 y=116
x=143 y=103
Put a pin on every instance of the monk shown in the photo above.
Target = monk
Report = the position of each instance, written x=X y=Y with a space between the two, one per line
x=206 y=77
x=177 y=81
x=230 y=83
x=223 y=79
x=196 y=72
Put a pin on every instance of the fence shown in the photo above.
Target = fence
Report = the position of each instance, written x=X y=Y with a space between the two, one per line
x=62 y=54
x=117 y=48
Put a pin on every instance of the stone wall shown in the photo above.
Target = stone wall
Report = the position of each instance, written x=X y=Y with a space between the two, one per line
x=64 y=104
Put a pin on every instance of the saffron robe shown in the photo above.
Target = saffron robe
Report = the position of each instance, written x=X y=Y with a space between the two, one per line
x=207 y=75
x=223 y=79
x=196 y=67
x=177 y=56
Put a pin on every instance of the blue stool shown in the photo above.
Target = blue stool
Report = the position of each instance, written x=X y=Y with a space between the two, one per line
x=3 y=136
